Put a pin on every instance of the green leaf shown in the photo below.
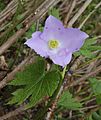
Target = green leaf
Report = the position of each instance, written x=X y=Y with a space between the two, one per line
x=76 y=54
x=54 y=12
x=89 y=42
x=32 y=72
x=96 y=116
x=69 y=102
x=32 y=28
x=88 y=48
x=93 y=48
x=2 y=5
x=41 y=27
x=19 y=17
x=18 y=93
x=46 y=86
x=86 y=53
x=35 y=83
x=98 y=99
x=28 y=34
x=99 y=111
x=89 y=118
x=19 y=26
x=96 y=87
x=30 y=31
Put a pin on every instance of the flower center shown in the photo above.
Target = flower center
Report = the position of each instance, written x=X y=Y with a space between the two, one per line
x=53 y=44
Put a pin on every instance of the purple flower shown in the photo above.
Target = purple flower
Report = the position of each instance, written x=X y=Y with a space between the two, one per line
x=56 y=42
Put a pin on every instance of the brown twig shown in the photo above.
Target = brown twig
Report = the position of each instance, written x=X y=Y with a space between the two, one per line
x=54 y=104
x=92 y=66
x=11 y=75
x=76 y=63
x=89 y=15
x=89 y=107
x=72 y=6
x=62 y=88
x=19 y=33
x=84 y=77
x=11 y=40
x=53 y=107
x=9 y=10
x=81 y=10
x=13 y=113
x=93 y=110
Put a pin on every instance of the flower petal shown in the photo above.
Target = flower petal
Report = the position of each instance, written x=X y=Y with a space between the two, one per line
x=53 y=23
x=37 y=44
x=63 y=58
x=74 y=39
x=53 y=29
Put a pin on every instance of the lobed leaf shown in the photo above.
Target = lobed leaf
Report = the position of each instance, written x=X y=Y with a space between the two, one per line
x=67 y=101
x=96 y=87
x=35 y=83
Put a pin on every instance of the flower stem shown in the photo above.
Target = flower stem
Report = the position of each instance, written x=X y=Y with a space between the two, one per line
x=56 y=96
x=63 y=73
x=53 y=100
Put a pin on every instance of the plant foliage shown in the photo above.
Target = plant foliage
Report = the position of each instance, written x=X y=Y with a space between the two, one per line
x=35 y=83
x=67 y=101
x=96 y=87
x=88 y=48
x=95 y=115
x=54 y=12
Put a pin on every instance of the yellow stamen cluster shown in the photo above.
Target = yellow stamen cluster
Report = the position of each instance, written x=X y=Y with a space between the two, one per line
x=53 y=44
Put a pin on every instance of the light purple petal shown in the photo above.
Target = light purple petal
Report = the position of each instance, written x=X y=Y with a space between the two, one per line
x=74 y=39
x=37 y=44
x=53 y=29
x=63 y=58
x=53 y=23
x=70 y=40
